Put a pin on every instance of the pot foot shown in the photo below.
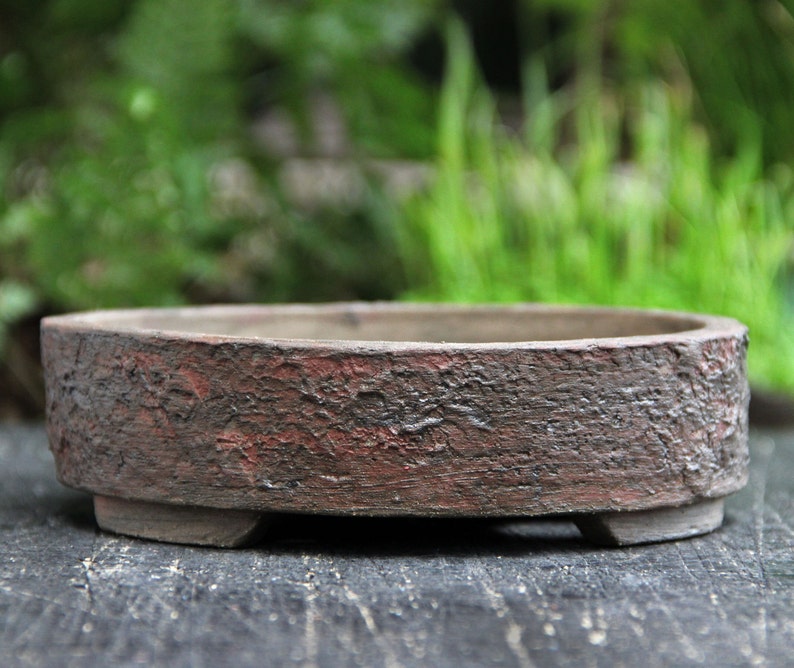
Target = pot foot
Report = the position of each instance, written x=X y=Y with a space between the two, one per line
x=190 y=525
x=651 y=526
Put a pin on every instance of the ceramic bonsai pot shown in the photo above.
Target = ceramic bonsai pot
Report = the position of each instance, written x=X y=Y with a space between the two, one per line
x=196 y=425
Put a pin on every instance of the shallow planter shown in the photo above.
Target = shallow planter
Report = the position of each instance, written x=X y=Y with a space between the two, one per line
x=196 y=425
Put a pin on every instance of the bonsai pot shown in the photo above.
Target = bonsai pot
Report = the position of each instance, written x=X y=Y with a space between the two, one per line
x=197 y=425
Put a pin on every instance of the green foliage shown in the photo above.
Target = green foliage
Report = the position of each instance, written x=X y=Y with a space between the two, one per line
x=180 y=54
x=739 y=57
x=351 y=48
x=542 y=218
x=128 y=174
x=16 y=301
x=113 y=202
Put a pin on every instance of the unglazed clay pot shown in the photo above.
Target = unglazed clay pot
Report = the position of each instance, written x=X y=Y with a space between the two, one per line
x=196 y=425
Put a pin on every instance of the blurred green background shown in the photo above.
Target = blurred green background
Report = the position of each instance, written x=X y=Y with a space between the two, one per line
x=158 y=152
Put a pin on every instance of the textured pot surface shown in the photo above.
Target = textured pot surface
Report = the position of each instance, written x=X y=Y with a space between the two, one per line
x=395 y=409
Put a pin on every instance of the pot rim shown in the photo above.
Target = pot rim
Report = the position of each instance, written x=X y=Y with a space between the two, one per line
x=147 y=323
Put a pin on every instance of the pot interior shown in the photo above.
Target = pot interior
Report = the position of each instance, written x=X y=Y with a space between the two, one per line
x=406 y=323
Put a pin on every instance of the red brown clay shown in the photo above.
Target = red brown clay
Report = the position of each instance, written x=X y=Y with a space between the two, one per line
x=613 y=416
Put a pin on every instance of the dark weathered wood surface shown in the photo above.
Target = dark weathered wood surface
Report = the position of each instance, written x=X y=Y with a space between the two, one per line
x=348 y=592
